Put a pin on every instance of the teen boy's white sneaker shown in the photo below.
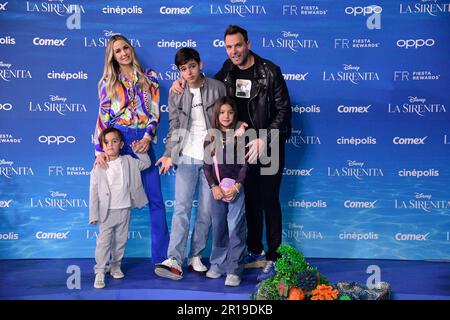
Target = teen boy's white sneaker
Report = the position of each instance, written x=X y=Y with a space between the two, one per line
x=169 y=268
x=99 y=282
x=195 y=264
x=213 y=274
x=117 y=273
x=232 y=280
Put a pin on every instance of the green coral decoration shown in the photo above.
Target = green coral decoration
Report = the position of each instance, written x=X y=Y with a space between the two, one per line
x=288 y=268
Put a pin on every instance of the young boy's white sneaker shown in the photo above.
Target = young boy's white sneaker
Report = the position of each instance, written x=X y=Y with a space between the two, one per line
x=213 y=274
x=99 y=282
x=195 y=264
x=169 y=268
x=117 y=273
x=232 y=280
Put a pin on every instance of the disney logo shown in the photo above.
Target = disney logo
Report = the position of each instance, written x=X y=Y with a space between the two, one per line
x=288 y=34
x=295 y=226
x=350 y=67
x=8 y=65
x=57 y=98
x=420 y=195
x=353 y=163
x=173 y=66
x=3 y=161
x=110 y=33
x=239 y=1
x=415 y=99
x=58 y=194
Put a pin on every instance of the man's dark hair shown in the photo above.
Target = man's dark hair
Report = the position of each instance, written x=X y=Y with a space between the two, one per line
x=184 y=55
x=235 y=29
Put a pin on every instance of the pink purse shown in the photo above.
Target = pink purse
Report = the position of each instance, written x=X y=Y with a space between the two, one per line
x=226 y=183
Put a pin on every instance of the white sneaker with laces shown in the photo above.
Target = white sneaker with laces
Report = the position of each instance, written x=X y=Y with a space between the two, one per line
x=232 y=280
x=195 y=264
x=169 y=268
x=213 y=274
x=117 y=273
x=99 y=282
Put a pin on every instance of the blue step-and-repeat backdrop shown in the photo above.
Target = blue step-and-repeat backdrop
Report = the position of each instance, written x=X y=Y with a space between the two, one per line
x=367 y=172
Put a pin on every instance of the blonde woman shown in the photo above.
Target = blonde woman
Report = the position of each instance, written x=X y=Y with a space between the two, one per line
x=129 y=101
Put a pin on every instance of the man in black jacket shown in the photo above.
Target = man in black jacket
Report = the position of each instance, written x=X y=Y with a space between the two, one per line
x=258 y=87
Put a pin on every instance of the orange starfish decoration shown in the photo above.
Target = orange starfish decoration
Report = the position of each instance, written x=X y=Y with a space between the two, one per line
x=324 y=292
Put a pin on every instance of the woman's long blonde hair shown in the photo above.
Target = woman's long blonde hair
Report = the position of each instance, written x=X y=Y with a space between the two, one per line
x=111 y=69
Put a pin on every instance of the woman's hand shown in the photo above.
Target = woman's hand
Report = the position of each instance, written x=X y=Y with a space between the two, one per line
x=102 y=161
x=178 y=86
x=141 y=146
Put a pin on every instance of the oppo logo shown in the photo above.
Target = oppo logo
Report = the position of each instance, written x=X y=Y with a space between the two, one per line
x=6 y=106
x=56 y=139
x=415 y=43
x=354 y=11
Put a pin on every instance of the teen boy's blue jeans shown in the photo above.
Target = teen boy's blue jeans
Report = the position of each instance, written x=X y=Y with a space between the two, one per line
x=152 y=187
x=189 y=175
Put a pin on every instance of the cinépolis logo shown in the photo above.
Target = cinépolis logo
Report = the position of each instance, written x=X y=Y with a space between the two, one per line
x=63 y=75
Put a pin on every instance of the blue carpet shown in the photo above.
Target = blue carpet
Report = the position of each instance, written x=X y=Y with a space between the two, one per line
x=46 y=280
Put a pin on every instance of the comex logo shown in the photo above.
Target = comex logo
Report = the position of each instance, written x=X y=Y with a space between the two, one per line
x=415 y=43
x=374 y=12
x=175 y=10
x=411 y=236
x=5 y=203
x=52 y=235
x=56 y=139
x=49 y=42
x=5 y=106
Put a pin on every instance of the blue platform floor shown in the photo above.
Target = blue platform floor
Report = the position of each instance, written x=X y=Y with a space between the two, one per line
x=47 y=279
